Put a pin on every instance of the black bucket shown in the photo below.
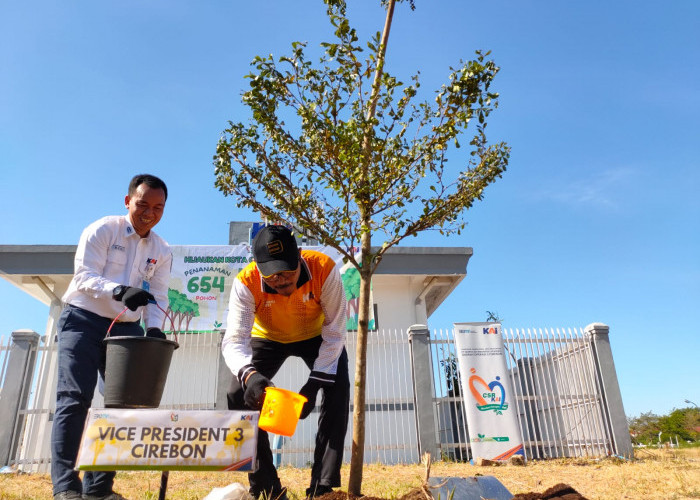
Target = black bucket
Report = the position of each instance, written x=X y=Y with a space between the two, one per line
x=136 y=370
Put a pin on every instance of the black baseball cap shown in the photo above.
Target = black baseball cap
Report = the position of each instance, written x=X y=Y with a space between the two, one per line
x=275 y=250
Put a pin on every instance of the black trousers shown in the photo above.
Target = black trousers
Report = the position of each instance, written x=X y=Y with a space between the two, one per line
x=268 y=357
x=81 y=356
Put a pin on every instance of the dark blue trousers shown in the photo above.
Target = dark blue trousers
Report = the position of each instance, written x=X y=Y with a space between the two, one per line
x=268 y=357
x=81 y=355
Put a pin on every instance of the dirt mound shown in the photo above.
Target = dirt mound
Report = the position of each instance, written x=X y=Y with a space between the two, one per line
x=414 y=494
x=558 y=491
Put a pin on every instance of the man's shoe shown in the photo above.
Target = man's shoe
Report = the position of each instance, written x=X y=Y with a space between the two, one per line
x=110 y=496
x=317 y=491
x=67 y=495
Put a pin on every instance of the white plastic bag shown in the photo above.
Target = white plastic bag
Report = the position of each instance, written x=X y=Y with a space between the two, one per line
x=234 y=491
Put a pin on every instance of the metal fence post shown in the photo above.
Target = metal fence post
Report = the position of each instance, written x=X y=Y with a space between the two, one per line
x=422 y=374
x=612 y=398
x=223 y=379
x=15 y=389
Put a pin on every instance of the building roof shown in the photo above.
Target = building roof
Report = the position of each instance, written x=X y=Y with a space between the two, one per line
x=44 y=271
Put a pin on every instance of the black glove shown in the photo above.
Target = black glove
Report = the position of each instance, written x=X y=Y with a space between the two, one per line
x=254 y=394
x=156 y=333
x=310 y=391
x=133 y=297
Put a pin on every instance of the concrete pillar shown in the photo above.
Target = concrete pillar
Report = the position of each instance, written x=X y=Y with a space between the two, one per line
x=612 y=398
x=15 y=390
x=422 y=372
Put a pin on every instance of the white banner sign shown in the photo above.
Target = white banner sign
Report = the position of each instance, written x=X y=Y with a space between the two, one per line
x=117 y=439
x=492 y=417
x=201 y=281
x=200 y=284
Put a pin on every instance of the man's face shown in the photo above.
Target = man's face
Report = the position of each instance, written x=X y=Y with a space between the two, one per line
x=285 y=282
x=145 y=207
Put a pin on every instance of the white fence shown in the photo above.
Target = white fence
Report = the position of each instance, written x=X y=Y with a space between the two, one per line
x=563 y=406
x=557 y=379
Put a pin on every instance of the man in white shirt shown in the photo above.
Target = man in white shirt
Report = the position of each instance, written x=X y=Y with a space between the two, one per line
x=120 y=265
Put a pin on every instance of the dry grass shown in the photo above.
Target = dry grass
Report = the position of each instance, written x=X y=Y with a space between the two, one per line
x=656 y=474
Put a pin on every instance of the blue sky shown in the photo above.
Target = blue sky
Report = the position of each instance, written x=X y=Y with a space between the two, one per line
x=596 y=219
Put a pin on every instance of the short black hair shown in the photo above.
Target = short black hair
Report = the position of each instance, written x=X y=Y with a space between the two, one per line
x=149 y=180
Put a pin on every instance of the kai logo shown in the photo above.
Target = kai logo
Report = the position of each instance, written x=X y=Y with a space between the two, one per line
x=247 y=417
x=174 y=417
x=489 y=397
x=491 y=330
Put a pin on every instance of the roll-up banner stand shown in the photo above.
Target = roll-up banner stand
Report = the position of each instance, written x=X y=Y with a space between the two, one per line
x=492 y=417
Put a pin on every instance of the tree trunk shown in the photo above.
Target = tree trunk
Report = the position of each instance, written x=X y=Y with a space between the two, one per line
x=166 y=317
x=358 y=414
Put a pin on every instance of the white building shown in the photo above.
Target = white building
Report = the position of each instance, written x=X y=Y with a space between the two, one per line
x=409 y=285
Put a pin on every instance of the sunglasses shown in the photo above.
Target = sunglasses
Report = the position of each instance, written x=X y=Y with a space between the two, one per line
x=277 y=276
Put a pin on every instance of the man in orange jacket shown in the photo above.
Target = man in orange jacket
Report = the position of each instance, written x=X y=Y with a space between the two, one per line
x=290 y=302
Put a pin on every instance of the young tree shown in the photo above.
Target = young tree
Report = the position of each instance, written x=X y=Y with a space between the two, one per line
x=645 y=427
x=493 y=316
x=341 y=150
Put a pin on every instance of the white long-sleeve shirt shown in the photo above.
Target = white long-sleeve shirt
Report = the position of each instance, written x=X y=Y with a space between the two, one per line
x=111 y=253
x=316 y=307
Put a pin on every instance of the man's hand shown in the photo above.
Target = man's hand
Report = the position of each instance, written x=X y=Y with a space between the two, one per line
x=156 y=333
x=310 y=391
x=254 y=394
x=133 y=297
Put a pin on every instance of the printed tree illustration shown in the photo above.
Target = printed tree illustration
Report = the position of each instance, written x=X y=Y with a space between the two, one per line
x=341 y=150
x=180 y=309
x=351 y=284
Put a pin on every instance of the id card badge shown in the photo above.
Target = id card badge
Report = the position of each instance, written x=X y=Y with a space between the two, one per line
x=148 y=274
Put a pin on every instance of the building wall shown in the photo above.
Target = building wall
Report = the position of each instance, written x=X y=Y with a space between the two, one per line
x=395 y=297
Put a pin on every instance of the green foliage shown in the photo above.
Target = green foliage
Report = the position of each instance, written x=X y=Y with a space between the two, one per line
x=682 y=423
x=644 y=428
x=335 y=168
x=342 y=150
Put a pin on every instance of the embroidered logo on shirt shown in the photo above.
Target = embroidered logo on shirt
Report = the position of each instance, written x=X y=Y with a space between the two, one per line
x=269 y=303
x=118 y=247
x=128 y=230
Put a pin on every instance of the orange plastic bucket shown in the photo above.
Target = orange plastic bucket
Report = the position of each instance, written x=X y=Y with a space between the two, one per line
x=280 y=411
